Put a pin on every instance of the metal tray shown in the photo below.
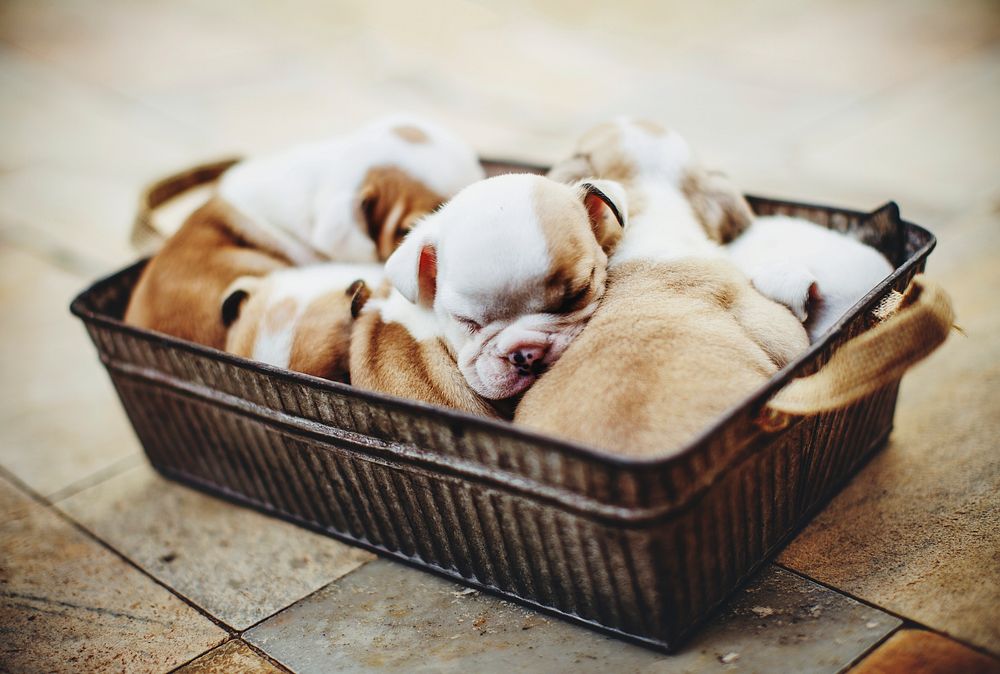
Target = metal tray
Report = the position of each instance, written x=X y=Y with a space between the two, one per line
x=639 y=548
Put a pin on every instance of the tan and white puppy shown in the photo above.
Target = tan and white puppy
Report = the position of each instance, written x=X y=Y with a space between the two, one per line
x=665 y=184
x=346 y=199
x=397 y=348
x=681 y=335
x=299 y=319
x=350 y=198
x=816 y=272
x=511 y=267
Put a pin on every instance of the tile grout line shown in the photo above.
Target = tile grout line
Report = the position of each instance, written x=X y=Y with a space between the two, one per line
x=907 y=622
x=871 y=649
x=41 y=500
x=230 y=640
x=98 y=477
x=304 y=597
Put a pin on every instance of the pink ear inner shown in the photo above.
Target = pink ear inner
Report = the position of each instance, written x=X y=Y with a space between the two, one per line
x=595 y=207
x=427 y=276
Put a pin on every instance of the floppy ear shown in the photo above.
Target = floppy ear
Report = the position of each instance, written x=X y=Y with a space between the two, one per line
x=719 y=205
x=607 y=207
x=359 y=294
x=234 y=296
x=412 y=269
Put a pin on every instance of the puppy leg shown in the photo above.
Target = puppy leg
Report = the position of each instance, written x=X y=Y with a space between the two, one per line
x=771 y=325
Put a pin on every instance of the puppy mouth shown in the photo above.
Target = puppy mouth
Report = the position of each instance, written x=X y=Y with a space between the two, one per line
x=535 y=369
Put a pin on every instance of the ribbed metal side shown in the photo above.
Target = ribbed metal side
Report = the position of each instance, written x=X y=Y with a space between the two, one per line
x=642 y=549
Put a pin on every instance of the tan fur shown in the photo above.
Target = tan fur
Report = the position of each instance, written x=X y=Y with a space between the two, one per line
x=386 y=189
x=571 y=248
x=411 y=134
x=178 y=291
x=321 y=346
x=720 y=208
x=670 y=348
x=386 y=358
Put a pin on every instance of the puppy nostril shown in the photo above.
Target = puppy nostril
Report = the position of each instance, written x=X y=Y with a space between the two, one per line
x=519 y=358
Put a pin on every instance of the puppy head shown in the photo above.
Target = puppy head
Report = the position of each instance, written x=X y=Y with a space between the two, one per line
x=635 y=151
x=389 y=203
x=512 y=267
x=377 y=182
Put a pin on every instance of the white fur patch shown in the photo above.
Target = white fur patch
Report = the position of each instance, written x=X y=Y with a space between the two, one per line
x=418 y=321
x=307 y=196
x=775 y=251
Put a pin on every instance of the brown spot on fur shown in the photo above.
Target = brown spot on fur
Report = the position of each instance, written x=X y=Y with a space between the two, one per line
x=650 y=127
x=718 y=205
x=411 y=134
x=391 y=201
x=571 y=242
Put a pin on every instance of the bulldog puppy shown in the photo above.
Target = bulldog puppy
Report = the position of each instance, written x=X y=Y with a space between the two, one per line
x=397 y=348
x=681 y=335
x=665 y=184
x=817 y=272
x=511 y=268
x=351 y=198
x=299 y=319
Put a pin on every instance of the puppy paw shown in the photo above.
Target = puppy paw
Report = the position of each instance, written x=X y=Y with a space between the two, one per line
x=791 y=285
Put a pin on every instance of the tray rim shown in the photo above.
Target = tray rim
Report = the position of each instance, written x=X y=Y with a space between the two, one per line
x=752 y=402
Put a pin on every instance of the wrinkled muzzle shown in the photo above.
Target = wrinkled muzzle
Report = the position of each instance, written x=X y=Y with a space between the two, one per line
x=508 y=361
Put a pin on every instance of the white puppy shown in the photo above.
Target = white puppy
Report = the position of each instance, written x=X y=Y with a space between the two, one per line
x=512 y=267
x=350 y=198
x=816 y=272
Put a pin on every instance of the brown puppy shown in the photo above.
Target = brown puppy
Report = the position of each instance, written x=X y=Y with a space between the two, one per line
x=299 y=319
x=670 y=348
x=396 y=348
x=178 y=290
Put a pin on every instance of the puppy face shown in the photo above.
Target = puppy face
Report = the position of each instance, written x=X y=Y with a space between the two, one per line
x=513 y=267
x=390 y=202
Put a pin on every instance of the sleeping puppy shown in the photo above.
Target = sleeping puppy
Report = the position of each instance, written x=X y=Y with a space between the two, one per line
x=397 y=348
x=681 y=335
x=817 y=272
x=351 y=198
x=511 y=268
x=299 y=319
x=657 y=166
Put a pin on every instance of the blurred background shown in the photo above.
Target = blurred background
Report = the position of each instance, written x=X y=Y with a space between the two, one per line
x=847 y=102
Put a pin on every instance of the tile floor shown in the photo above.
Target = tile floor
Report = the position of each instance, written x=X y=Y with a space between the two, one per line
x=106 y=566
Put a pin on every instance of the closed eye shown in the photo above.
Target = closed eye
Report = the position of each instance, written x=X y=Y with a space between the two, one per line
x=575 y=298
x=470 y=325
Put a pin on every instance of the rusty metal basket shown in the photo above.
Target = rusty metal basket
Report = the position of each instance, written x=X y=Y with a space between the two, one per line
x=643 y=549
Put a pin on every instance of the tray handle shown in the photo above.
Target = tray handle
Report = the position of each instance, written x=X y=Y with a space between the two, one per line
x=145 y=236
x=913 y=324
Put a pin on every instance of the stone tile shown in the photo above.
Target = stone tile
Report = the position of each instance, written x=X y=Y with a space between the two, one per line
x=69 y=605
x=49 y=118
x=232 y=656
x=60 y=419
x=923 y=652
x=47 y=209
x=389 y=618
x=917 y=531
x=235 y=563
x=917 y=139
